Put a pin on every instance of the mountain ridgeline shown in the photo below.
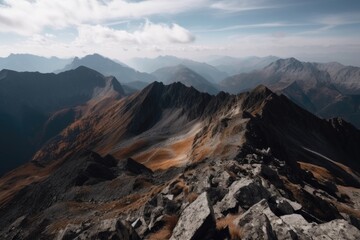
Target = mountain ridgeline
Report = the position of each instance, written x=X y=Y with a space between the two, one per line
x=139 y=165
x=108 y=67
x=180 y=159
x=328 y=90
x=32 y=63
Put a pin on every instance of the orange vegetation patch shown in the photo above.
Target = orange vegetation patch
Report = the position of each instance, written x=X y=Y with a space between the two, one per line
x=319 y=173
x=154 y=158
x=228 y=222
x=172 y=155
x=166 y=231
x=201 y=154
x=182 y=146
x=344 y=208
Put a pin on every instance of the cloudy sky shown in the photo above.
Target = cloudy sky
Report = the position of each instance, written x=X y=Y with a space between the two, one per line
x=312 y=30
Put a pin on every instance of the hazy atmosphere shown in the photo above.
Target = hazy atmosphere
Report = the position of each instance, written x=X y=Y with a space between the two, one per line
x=180 y=119
x=311 y=30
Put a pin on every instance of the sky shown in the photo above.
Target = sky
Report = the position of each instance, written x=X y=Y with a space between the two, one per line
x=310 y=30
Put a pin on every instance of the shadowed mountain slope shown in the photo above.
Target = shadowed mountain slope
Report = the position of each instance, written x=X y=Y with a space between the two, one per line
x=35 y=107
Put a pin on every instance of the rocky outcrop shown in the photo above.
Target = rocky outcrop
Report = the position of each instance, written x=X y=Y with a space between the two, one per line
x=281 y=229
x=196 y=221
x=243 y=193
x=254 y=225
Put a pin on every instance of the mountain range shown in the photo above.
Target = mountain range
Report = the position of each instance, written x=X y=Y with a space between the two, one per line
x=328 y=90
x=189 y=78
x=170 y=162
x=150 y=65
x=87 y=157
x=32 y=63
x=109 y=67
x=233 y=66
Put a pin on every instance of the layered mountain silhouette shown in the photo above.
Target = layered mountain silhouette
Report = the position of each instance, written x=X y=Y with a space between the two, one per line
x=32 y=63
x=170 y=162
x=346 y=78
x=233 y=66
x=35 y=107
x=108 y=67
x=150 y=65
x=189 y=78
x=329 y=90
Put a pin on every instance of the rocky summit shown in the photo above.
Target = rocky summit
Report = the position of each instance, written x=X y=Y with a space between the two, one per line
x=170 y=162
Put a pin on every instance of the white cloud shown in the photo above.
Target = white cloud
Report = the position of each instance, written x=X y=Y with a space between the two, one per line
x=257 y=25
x=244 y=5
x=149 y=33
x=28 y=17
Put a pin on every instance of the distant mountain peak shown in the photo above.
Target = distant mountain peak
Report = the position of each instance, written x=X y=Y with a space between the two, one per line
x=262 y=89
x=293 y=62
x=108 y=67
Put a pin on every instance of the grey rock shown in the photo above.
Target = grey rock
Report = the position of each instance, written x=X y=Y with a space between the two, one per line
x=245 y=193
x=196 y=221
x=299 y=225
x=222 y=180
x=337 y=229
x=253 y=225
x=250 y=193
x=352 y=220
x=281 y=229
x=285 y=206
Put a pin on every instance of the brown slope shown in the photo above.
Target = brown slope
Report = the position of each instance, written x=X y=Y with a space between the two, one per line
x=165 y=126
x=214 y=133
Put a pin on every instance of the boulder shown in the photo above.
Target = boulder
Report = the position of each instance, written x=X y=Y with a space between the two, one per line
x=280 y=228
x=250 y=193
x=245 y=193
x=254 y=225
x=337 y=229
x=284 y=206
x=298 y=223
x=196 y=221
x=222 y=180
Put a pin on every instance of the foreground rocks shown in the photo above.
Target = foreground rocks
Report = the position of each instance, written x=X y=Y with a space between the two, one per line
x=196 y=221
x=244 y=198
